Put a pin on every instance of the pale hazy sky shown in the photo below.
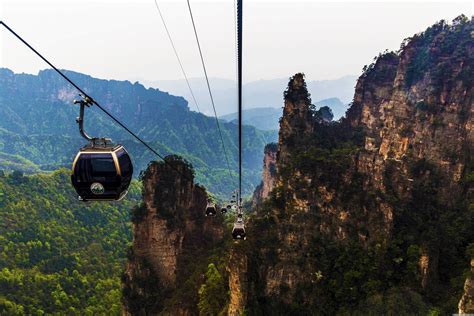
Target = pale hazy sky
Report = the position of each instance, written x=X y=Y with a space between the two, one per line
x=126 y=39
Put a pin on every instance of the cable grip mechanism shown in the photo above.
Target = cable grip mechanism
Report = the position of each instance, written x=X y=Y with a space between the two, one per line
x=93 y=141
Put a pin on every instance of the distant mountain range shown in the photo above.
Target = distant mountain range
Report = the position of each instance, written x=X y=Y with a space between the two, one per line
x=261 y=93
x=38 y=129
x=268 y=118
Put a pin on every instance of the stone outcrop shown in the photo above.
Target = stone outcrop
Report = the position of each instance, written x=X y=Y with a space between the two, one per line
x=411 y=115
x=268 y=175
x=238 y=283
x=296 y=121
x=466 y=304
x=170 y=233
x=410 y=130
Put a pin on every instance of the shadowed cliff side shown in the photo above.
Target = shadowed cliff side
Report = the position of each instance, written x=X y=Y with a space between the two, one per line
x=237 y=267
x=466 y=304
x=172 y=241
x=268 y=175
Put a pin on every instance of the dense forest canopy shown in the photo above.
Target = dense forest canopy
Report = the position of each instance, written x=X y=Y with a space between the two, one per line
x=58 y=255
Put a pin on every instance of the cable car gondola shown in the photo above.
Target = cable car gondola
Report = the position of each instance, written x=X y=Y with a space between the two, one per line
x=101 y=170
x=211 y=209
x=238 y=231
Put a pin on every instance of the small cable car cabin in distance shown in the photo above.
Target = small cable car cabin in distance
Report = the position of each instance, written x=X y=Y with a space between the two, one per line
x=211 y=209
x=238 y=231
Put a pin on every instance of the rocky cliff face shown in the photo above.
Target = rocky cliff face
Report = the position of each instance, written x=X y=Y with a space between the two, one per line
x=170 y=236
x=416 y=109
x=238 y=281
x=466 y=304
x=369 y=203
x=268 y=175
x=296 y=122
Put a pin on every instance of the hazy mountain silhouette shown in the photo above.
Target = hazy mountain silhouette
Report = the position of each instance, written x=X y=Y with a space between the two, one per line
x=260 y=93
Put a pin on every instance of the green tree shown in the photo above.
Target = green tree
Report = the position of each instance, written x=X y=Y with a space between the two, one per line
x=212 y=294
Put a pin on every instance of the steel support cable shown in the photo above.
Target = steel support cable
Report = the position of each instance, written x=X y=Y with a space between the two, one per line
x=177 y=56
x=209 y=89
x=239 y=85
x=236 y=54
x=92 y=100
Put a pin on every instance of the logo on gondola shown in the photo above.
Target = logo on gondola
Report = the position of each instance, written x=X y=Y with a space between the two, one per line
x=97 y=188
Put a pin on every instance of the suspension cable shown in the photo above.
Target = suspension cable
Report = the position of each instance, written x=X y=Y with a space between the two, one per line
x=209 y=89
x=92 y=100
x=239 y=85
x=177 y=56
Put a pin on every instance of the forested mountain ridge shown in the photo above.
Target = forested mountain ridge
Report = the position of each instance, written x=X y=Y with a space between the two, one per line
x=371 y=215
x=37 y=122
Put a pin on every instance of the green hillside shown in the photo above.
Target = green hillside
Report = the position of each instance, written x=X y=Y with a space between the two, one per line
x=37 y=122
x=58 y=255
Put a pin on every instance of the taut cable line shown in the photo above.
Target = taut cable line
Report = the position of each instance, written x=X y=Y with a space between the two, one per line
x=239 y=85
x=209 y=89
x=177 y=56
x=91 y=99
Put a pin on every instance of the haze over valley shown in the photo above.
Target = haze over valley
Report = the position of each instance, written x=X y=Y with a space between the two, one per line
x=256 y=94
